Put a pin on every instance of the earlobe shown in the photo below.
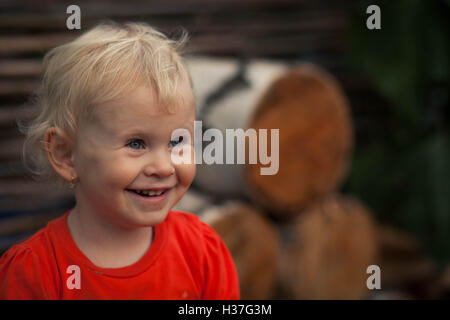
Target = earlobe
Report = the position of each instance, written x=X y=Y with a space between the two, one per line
x=59 y=149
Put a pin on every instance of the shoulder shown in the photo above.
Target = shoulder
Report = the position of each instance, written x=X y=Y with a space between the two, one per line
x=29 y=248
x=38 y=244
x=26 y=268
x=201 y=243
x=20 y=274
x=188 y=226
x=17 y=252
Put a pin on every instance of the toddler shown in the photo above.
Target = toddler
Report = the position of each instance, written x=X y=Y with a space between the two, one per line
x=111 y=100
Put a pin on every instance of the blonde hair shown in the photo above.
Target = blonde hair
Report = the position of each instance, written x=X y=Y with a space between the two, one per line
x=97 y=67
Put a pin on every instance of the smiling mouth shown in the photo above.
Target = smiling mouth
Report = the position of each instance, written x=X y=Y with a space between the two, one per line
x=149 y=193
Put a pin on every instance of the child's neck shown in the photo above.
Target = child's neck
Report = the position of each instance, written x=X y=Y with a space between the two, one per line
x=105 y=244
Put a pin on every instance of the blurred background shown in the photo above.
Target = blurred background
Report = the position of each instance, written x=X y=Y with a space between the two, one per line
x=364 y=136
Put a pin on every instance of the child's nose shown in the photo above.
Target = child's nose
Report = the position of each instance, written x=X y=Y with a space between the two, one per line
x=160 y=164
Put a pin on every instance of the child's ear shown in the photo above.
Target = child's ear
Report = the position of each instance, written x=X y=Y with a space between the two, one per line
x=59 y=149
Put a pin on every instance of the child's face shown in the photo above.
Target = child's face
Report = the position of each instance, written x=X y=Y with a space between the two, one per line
x=126 y=149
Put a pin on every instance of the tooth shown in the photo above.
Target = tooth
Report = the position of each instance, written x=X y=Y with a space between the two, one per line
x=150 y=192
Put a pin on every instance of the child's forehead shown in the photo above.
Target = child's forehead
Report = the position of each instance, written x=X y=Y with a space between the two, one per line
x=140 y=107
x=143 y=100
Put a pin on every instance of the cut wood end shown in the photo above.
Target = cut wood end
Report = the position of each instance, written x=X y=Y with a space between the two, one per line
x=315 y=139
x=402 y=258
x=333 y=243
x=253 y=243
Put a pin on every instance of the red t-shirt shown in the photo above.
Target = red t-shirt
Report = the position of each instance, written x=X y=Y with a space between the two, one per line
x=187 y=260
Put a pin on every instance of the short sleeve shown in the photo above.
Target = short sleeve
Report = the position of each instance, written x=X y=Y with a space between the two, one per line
x=21 y=275
x=221 y=280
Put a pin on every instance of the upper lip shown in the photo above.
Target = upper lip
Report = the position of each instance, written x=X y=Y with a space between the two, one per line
x=151 y=189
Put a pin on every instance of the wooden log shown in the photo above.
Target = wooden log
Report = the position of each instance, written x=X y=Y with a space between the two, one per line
x=405 y=265
x=29 y=202
x=20 y=67
x=444 y=283
x=12 y=169
x=9 y=115
x=12 y=187
x=218 y=71
x=193 y=202
x=275 y=45
x=326 y=251
x=230 y=98
x=312 y=114
x=390 y=294
x=22 y=87
x=253 y=243
x=143 y=8
x=19 y=44
x=216 y=27
x=11 y=149
x=208 y=74
x=26 y=223
x=32 y=21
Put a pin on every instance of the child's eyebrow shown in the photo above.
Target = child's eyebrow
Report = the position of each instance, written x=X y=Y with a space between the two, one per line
x=127 y=132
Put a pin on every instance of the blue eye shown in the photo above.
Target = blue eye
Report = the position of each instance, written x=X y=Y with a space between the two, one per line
x=136 y=144
x=173 y=143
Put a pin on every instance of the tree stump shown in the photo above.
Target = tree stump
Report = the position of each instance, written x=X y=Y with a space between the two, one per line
x=326 y=251
x=253 y=243
x=404 y=264
x=230 y=98
x=315 y=140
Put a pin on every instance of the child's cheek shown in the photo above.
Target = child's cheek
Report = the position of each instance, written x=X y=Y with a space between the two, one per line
x=187 y=171
x=119 y=170
x=103 y=169
x=186 y=174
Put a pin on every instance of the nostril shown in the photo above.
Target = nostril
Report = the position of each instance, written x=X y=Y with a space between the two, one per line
x=159 y=170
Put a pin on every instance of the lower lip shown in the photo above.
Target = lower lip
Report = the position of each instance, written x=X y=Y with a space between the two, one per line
x=154 y=201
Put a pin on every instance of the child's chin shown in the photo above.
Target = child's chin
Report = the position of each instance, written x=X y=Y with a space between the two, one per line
x=154 y=218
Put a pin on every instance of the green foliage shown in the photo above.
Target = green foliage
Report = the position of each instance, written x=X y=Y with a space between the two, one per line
x=408 y=55
x=405 y=177
x=408 y=188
